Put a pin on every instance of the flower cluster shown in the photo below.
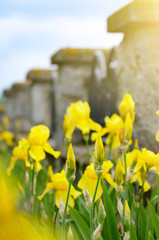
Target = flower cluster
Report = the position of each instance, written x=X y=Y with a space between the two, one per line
x=113 y=182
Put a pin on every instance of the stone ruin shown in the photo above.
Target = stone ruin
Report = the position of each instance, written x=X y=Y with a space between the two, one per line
x=98 y=76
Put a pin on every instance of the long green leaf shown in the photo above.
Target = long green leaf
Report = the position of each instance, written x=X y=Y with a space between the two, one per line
x=110 y=217
x=82 y=226
x=143 y=221
x=150 y=237
x=132 y=233
x=154 y=218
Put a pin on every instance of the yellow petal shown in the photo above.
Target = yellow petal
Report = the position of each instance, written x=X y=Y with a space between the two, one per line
x=46 y=190
x=94 y=126
x=74 y=192
x=50 y=150
x=146 y=186
x=63 y=196
x=37 y=153
x=39 y=135
x=110 y=180
x=11 y=166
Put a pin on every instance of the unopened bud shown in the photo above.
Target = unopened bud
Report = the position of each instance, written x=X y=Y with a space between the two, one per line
x=136 y=144
x=70 y=234
x=88 y=198
x=99 y=151
x=121 y=135
x=26 y=177
x=98 y=169
x=102 y=213
x=127 y=211
x=61 y=208
x=127 y=236
x=50 y=173
x=118 y=172
x=124 y=146
x=97 y=233
x=120 y=207
x=120 y=229
x=70 y=165
x=128 y=127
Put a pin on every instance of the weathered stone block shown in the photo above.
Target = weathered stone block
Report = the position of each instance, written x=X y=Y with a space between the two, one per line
x=138 y=64
x=41 y=96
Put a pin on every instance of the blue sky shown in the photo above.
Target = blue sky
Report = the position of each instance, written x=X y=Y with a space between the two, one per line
x=32 y=30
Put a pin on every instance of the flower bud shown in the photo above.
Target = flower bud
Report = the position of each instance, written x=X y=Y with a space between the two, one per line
x=121 y=135
x=102 y=213
x=97 y=233
x=70 y=234
x=136 y=144
x=128 y=127
x=99 y=151
x=88 y=198
x=120 y=229
x=126 y=236
x=120 y=207
x=98 y=169
x=70 y=165
x=50 y=173
x=118 y=172
x=61 y=208
x=127 y=211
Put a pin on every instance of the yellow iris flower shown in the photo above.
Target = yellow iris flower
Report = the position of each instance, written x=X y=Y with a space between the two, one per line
x=35 y=146
x=68 y=127
x=146 y=160
x=38 y=144
x=127 y=105
x=19 y=153
x=60 y=184
x=131 y=161
x=79 y=115
x=89 y=179
x=112 y=127
x=7 y=137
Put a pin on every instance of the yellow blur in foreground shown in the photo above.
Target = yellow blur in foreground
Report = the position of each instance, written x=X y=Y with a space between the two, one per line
x=13 y=225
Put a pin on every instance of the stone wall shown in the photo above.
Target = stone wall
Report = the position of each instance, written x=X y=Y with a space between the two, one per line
x=41 y=97
x=138 y=64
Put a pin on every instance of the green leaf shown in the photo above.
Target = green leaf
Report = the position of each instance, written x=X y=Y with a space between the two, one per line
x=143 y=221
x=154 y=218
x=76 y=233
x=132 y=232
x=82 y=226
x=110 y=216
x=150 y=237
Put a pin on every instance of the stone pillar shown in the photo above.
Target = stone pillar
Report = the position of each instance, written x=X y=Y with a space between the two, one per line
x=21 y=105
x=41 y=96
x=74 y=75
x=9 y=105
x=138 y=69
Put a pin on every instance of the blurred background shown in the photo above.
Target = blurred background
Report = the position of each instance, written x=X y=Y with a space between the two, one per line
x=32 y=30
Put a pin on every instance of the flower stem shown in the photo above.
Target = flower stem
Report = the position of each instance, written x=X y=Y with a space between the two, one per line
x=92 y=208
x=64 y=217
x=126 y=193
